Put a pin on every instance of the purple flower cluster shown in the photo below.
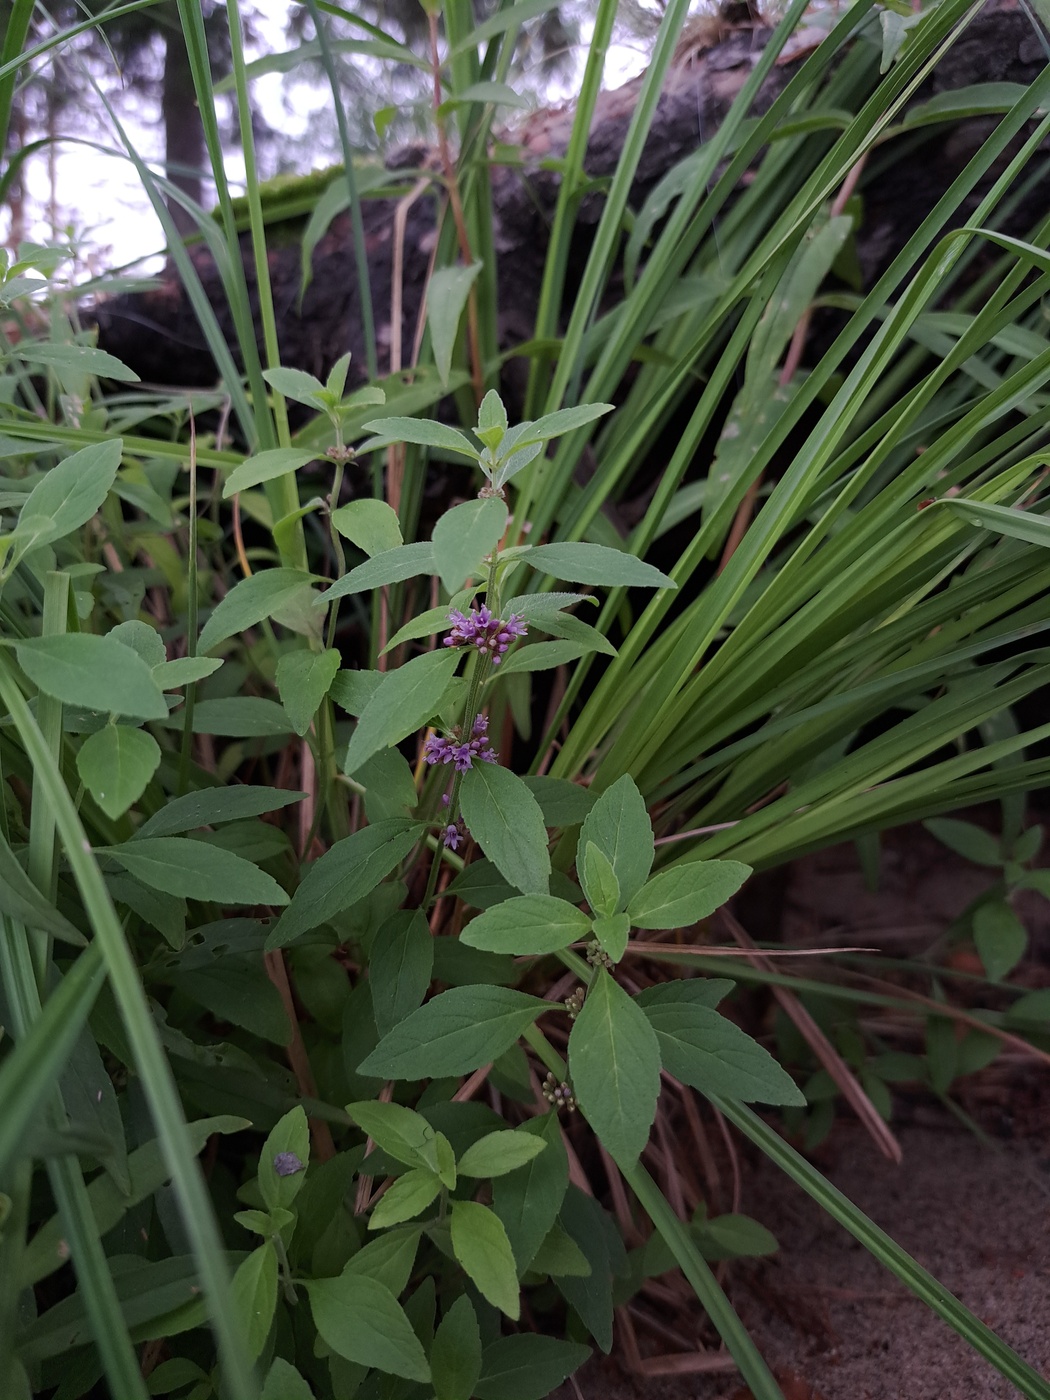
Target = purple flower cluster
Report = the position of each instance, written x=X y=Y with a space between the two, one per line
x=439 y=749
x=479 y=628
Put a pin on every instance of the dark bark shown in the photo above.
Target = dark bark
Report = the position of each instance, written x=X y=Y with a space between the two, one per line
x=157 y=334
x=184 y=149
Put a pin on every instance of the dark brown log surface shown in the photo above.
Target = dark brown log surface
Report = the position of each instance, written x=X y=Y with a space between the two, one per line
x=156 y=332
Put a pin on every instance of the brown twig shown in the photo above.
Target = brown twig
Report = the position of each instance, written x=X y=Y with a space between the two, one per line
x=320 y=1132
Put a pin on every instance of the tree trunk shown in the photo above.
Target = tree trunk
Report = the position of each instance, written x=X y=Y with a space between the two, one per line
x=184 y=149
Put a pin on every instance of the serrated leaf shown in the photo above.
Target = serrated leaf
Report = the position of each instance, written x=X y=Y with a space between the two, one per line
x=528 y=1200
x=93 y=673
x=505 y=820
x=965 y=839
x=614 y=1061
x=527 y=925
x=346 y=872
x=697 y=991
x=612 y=934
x=265 y=466
x=248 y=602
x=499 y=1152
x=447 y=293
x=401 y=1132
x=463 y=536
x=303 y=679
x=372 y=525
x=454 y=1033
x=455 y=1357
x=254 y=1295
x=424 y=432
x=295 y=384
x=598 y=879
x=711 y=1054
x=360 y=1319
x=480 y=1243
x=408 y=1197
x=618 y=824
x=115 y=765
x=1000 y=936
x=195 y=870
x=597 y=564
x=685 y=894
x=402 y=703
x=67 y=497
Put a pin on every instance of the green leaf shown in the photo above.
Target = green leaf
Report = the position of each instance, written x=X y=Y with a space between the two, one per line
x=67 y=497
x=388 y=1259
x=480 y=1243
x=580 y=635
x=965 y=839
x=407 y=1198
x=562 y=803
x=464 y=536
x=734 y=1237
x=528 y=1200
x=303 y=679
x=685 y=894
x=82 y=359
x=541 y=656
x=560 y=1256
x=248 y=602
x=447 y=293
x=455 y=1357
x=21 y=899
x=352 y=690
x=239 y=717
x=1005 y=520
x=143 y=639
x=283 y=1382
x=401 y=1132
x=372 y=525
x=500 y=1152
x=598 y=879
x=195 y=870
x=346 y=872
x=265 y=466
x=612 y=934
x=454 y=1033
x=115 y=765
x=213 y=806
x=704 y=1050
x=619 y=826
x=527 y=925
x=360 y=1319
x=596 y=563
x=402 y=703
x=498 y=93
x=296 y=384
x=527 y=1366
x=287 y=1145
x=93 y=673
x=696 y=991
x=505 y=820
x=557 y=424
x=1000 y=936
x=389 y=787
x=424 y=432
x=237 y=989
x=400 y=966
x=254 y=1290
x=335 y=384
x=614 y=1060
x=492 y=420
x=184 y=670
x=392 y=566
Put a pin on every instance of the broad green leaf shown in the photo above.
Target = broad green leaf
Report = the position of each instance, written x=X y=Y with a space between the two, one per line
x=360 y=1319
x=389 y=787
x=389 y=1259
x=1000 y=936
x=540 y=656
x=505 y=819
x=685 y=894
x=372 y=525
x=400 y=967
x=296 y=384
x=596 y=563
x=239 y=717
x=500 y=1152
x=447 y=293
x=82 y=359
x=425 y=624
x=237 y=989
x=614 y=1060
x=408 y=1197
x=560 y=1256
x=528 y=1200
x=563 y=420
x=598 y=879
x=528 y=924
x=527 y=1366
x=498 y=93
x=578 y=635
x=254 y=1293
x=142 y=638
x=21 y=899
x=265 y=466
x=195 y=870
x=492 y=420
x=284 y=1159
x=283 y=1382
x=184 y=670
x=303 y=679
x=464 y=536
x=68 y=496
x=248 y=602
x=352 y=690
x=704 y=1050
x=335 y=384
x=696 y=991
x=346 y=872
x=212 y=806
x=562 y=803
x=455 y=1357
x=401 y=1132
x=612 y=934
x=965 y=839
x=115 y=764
x=480 y=1243
x=392 y=566
x=454 y=1033
x=93 y=673
x=619 y=826
x=734 y=1237
x=424 y=432
x=402 y=703
x=597 y=1236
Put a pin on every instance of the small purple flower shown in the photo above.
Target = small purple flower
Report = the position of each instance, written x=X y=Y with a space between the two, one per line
x=480 y=629
x=287 y=1164
x=452 y=836
x=439 y=749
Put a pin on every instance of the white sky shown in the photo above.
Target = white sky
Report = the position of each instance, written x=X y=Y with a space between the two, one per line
x=101 y=197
